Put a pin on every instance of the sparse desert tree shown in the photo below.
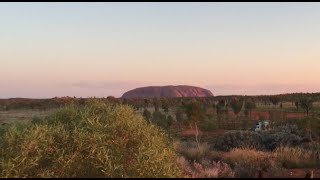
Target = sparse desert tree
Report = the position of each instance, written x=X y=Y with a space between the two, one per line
x=147 y=103
x=220 y=106
x=249 y=105
x=179 y=115
x=306 y=104
x=274 y=100
x=165 y=107
x=147 y=114
x=296 y=103
x=161 y=120
x=236 y=106
x=195 y=112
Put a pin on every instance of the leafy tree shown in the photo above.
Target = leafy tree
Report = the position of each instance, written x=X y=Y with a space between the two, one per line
x=249 y=105
x=296 y=103
x=157 y=104
x=306 y=104
x=170 y=120
x=274 y=100
x=179 y=115
x=147 y=114
x=161 y=120
x=165 y=107
x=147 y=103
x=236 y=105
x=220 y=106
x=195 y=112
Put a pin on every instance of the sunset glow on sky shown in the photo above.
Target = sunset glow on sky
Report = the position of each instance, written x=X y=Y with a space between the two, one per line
x=102 y=49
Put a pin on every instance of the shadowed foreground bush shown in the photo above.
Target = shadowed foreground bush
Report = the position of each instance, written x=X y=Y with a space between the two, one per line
x=205 y=169
x=98 y=140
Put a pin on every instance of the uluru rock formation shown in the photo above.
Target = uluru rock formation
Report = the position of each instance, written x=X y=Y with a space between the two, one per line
x=167 y=91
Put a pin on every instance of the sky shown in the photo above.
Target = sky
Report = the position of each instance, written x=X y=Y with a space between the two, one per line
x=100 y=49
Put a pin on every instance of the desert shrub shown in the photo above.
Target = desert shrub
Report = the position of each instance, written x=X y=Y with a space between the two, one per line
x=205 y=169
x=295 y=157
x=98 y=140
x=193 y=151
x=208 y=124
x=161 y=120
x=287 y=135
x=248 y=162
x=290 y=129
x=237 y=139
x=312 y=146
x=215 y=156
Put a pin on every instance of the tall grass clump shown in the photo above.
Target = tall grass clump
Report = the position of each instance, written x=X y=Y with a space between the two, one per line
x=95 y=140
x=249 y=162
x=204 y=169
x=296 y=157
x=193 y=151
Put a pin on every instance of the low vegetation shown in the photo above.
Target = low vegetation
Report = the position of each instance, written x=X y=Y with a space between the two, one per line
x=98 y=140
x=118 y=137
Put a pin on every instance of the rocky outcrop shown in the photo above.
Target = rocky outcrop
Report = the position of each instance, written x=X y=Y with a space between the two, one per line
x=167 y=91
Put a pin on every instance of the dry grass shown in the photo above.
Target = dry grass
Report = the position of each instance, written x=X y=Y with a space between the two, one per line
x=205 y=169
x=240 y=154
x=193 y=151
x=248 y=162
x=22 y=115
x=295 y=157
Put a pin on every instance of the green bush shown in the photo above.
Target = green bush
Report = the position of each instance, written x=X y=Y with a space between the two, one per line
x=288 y=135
x=208 y=125
x=237 y=139
x=97 y=140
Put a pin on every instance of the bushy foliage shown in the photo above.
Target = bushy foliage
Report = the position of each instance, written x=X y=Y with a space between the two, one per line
x=209 y=124
x=146 y=114
x=306 y=104
x=284 y=135
x=195 y=111
x=295 y=157
x=205 y=169
x=98 y=140
x=267 y=140
x=237 y=139
x=161 y=120
x=236 y=105
x=274 y=140
x=193 y=151
x=249 y=162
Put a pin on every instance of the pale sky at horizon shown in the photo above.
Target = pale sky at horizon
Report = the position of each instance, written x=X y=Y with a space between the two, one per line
x=101 y=49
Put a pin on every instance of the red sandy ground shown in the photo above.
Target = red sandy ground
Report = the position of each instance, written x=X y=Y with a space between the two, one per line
x=300 y=173
x=193 y=132
x=266 y=115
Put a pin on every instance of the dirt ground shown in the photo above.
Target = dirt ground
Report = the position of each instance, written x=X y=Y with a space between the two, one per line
x=193 y=132
x=300 y=173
